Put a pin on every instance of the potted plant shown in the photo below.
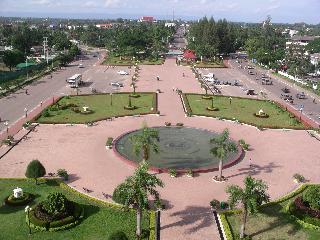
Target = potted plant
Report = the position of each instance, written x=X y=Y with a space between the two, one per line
x=63 y=174
x=167 y=124
x=172 y=172
x=189 y=173
x=298 y=178
x=244 y=145
x=26 y=125
x=109 y=143
x=179 y=124
x=8 y=141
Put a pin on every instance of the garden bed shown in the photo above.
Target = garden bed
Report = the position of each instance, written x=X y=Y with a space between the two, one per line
x=69 y=109
x=242 y=110
x=100 y=220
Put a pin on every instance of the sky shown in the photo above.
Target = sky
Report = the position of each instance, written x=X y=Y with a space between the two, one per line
x=281 y=11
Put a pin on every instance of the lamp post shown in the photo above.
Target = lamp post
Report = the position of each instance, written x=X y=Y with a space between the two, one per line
x=26 y=112
x=110 y=99
x=27 y=210
x=6 y=123
x=230 y=99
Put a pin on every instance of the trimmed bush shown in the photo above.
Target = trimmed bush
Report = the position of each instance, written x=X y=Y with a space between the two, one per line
x=172 y=172
x=312 y=197
x=215 y=204
x=55 y=204
x=63 y=173
x=119 y=235
x=62 y=222
x=109 y=141
x=35 y=170
x=299 y=178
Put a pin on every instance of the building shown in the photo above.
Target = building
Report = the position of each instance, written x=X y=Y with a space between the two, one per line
x=189 y=55
x=300 y=40
x=147 y=19
x=169 y=24
x=315 y=58
x=104 y=25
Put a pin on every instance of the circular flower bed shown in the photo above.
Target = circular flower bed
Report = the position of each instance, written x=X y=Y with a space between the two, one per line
x=212 y=109
x=206 y=97
x=21 y=201
x=129 y=107
x=55 y=213
x=261 y=115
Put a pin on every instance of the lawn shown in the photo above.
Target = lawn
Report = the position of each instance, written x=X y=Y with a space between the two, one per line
x=100 y=105
x=243 y=109
x=99 y=221
x=115 y=60
x=272 y=222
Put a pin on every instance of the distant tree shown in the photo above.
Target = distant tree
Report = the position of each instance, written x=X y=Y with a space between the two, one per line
x=250 y=197
x=60 y=41
x=35 y=170
x=12 y=58
x=314 y=46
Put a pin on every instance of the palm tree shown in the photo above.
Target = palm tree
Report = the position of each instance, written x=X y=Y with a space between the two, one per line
x=222 y=146
x=250 y=197
x=146 y=140
x=137 y=188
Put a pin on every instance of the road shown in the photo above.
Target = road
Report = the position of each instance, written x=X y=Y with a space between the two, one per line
x=95 y=76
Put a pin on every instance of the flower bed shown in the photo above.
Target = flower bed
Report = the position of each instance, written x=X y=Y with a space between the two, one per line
x=21 y=201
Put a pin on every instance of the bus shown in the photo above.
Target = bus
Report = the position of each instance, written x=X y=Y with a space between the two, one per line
x=75 y=81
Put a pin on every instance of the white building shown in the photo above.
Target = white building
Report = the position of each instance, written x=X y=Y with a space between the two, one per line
x=300 y=40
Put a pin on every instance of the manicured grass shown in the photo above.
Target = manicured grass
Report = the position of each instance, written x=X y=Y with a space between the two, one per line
x=243 y=109
x=99 y=221
x=100 y=104
x=272 y=222
x=113 y=60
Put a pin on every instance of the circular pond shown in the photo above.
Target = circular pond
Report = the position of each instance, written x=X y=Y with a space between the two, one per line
x=180 y=148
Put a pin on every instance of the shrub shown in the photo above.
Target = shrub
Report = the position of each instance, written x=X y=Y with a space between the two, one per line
x=244 y=145
x=299 y=177
x=215 y=204
x=190 y=172
x=172 y=172
x=64 y=221
x=75 y=109
x=56 y=203
x=109 y=141
x=224 y=205
x=26 y=124
x=63 y=173
x=119 y=235
x=312 y=196
x=179 y=124
x=119 y=195
x=35 y=170
x=8 y=141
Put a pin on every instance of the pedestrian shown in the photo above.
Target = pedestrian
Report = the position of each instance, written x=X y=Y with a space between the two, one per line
x=158 y=78
x=182 y=74
x=173 y=89
x=250 y=162
x=314 y=100
x=41 y=104
x=26 y=91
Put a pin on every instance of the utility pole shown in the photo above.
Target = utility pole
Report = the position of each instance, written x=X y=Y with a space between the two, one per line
x=45 y=49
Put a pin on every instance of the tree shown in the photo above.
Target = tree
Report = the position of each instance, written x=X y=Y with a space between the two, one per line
x=35 y=170
x=222 y=146
x=12 y=58
x=250 y=197
x=136 y=189
x=146 y=140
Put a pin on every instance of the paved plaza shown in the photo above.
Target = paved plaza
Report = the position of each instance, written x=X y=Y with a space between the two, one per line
x=276 y=154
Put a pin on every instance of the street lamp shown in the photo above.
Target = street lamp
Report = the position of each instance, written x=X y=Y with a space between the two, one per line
x=110 y=99
x=27 y=210
x=26 y=112
x=6 y=123
x=230 y=99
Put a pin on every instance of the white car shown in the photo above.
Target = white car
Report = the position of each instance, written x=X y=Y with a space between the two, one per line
x=122 y=72
x=81 y=65
x=209 y=75
x=116 y=84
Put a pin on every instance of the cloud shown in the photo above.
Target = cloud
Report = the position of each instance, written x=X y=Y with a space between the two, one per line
x=90 y=4
x=112 y=3
x=41 y=2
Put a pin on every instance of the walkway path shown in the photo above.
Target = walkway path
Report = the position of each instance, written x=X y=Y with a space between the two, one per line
x=276 y=156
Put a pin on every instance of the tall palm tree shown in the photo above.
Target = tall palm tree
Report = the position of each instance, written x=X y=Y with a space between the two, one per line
x=250 y=197
x=146 y=140
x=222 y=146
x=137 y=188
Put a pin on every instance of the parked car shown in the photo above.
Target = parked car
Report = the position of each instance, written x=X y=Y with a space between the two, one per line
x=251 y=72
x=266 y=82
x=286 y=96
x=116 y=84
x=121 y=72
x=285 y=90
x=250 y=67
x=81 y=65
x=301 y=95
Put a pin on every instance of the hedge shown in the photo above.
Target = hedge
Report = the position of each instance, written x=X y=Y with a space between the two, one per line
x=27 y=197
x=226 y=226
x=152 y=225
